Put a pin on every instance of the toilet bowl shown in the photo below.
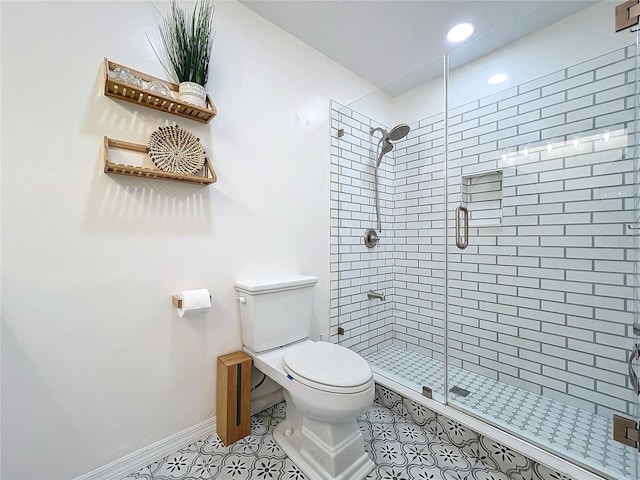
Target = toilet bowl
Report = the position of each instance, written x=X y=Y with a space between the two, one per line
x=326 y=386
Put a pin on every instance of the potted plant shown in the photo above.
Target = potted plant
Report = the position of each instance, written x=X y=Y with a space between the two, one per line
x=187 y=41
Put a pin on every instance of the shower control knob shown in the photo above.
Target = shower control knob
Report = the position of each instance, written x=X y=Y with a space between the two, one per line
x=371 y=238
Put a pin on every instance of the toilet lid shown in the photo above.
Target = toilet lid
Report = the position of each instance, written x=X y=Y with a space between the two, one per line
x=327 y=366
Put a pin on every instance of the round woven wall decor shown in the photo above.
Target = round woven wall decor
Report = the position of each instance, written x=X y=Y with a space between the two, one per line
x=175 y=150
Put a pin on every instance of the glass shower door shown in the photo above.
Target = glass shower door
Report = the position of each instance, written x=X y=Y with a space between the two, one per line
x=541 y=279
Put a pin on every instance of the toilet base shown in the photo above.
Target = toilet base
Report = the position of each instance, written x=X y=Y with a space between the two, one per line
x=323 y=451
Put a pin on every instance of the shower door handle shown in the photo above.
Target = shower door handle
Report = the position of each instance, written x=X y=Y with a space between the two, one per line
x=635 y=354
x=463 y=242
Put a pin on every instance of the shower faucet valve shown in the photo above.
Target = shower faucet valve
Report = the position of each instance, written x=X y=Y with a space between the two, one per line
x=371 y=238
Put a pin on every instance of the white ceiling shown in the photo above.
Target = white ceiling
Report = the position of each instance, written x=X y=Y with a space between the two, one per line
x=398 y=44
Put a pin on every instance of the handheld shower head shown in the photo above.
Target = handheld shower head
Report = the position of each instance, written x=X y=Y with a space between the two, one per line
x=385 y=147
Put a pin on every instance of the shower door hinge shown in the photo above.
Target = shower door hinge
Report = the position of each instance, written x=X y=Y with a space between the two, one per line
x=627 y=14
x=340 y=331
x=626 y=431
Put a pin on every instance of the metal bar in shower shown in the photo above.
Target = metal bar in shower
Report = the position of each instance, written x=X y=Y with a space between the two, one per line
x=462 y=242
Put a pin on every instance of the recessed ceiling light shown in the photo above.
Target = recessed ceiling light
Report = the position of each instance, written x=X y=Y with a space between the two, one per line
x=497 y=78
x=461 y=32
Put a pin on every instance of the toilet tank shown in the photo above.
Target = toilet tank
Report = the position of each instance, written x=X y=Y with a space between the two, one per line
x=277 y=311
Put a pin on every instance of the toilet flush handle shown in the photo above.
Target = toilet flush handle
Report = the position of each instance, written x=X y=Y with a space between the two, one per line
x=242 y=300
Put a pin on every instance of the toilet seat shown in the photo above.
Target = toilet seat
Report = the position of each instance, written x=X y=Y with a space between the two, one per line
x=328 y=367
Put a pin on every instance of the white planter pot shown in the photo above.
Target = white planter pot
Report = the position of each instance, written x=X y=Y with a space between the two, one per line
x=193 y=93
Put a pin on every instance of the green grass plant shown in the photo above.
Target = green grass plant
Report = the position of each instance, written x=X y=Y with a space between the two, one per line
x=187 y=41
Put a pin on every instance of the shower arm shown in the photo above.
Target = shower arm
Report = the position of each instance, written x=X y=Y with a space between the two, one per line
x=378 y=129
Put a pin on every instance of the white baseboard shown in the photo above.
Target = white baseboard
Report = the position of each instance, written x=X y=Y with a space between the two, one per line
x=133 y=462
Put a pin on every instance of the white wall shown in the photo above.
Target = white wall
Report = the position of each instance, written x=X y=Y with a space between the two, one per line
x=95 y=362
x=579 y=37
x=376 y=104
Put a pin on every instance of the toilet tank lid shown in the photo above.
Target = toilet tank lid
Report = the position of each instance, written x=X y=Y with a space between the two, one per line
x=276 y=283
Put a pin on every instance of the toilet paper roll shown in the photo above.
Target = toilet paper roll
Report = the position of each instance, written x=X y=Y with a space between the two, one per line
x=194 y=300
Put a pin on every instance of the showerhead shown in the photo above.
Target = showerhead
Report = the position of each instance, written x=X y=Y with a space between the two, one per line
x=384 y=144
x=398 y=132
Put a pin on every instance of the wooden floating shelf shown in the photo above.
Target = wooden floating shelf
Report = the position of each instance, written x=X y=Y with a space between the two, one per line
x=146 y=98
x=206 y=177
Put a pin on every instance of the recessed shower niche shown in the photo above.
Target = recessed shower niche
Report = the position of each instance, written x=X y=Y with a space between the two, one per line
x=482 y=195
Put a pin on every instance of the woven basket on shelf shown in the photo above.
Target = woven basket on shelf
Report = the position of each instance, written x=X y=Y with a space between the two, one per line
x=173 y=149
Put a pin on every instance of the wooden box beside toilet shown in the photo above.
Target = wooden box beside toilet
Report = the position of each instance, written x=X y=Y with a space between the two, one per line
x=233 y=410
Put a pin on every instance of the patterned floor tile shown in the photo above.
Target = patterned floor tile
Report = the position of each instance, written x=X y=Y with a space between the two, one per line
x=400 y=448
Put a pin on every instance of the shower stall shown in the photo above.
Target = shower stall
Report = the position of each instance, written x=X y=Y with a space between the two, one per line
x=508 y=228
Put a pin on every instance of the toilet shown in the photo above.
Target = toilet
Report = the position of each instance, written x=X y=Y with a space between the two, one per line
x=326 y=386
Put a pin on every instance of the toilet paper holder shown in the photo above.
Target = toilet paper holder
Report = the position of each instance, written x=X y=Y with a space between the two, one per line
x=177 y=301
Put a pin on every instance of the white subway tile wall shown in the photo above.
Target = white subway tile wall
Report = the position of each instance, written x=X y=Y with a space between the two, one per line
x=543 y=300
x=355 y=269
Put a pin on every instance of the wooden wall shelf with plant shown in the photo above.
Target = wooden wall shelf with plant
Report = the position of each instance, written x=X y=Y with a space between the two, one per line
x=117 y=88
x=206 y=177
